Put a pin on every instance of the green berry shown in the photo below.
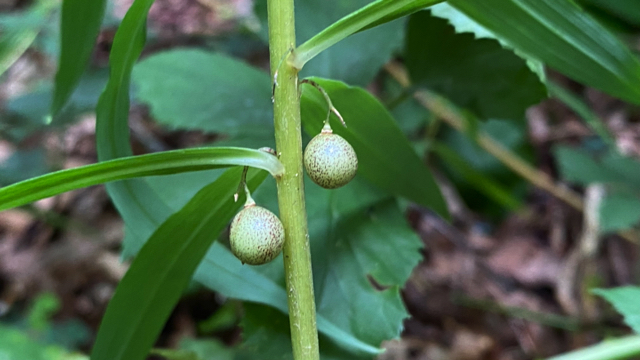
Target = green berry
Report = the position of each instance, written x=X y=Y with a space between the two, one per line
x=256 y=235
x=330 y=160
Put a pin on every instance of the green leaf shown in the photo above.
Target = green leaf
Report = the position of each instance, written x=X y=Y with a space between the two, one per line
x=385 y=156
x=409 y=8
x=163 y=268
x=266 y=335
x=464 y=24
x=619 y=212
x=171 y=354
x=250 y=283
x=579 y=166
x=43 y=307
x=564 y=37
x=17 y=344
x=349 y=248
x=13 y=45
x=207 y=349
x=194 y=89
x=628 y=10
x=373 y=14
x=16 y=39
x=477 y=74
x=625 y=301
x=79 y=29
x=112 y=130
x=162 y=163
x=583 y=168
x=198 y=349
x=142 y=209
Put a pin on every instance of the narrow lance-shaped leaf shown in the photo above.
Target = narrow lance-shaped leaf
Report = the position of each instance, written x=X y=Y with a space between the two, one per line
x=134 y=199
x=163 y=268
x=563 y=36
x=79 y=29
x=13 y=45
x=376 y=13
x=164 y=163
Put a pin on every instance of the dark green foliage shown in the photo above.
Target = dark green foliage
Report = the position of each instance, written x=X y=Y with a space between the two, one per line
x=477 y=74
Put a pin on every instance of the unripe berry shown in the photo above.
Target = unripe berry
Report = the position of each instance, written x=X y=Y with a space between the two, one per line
x=330 y=160
x=256 y=235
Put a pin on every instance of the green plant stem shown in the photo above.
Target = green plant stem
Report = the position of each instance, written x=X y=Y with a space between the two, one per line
x=297 y=257
x=622 y=348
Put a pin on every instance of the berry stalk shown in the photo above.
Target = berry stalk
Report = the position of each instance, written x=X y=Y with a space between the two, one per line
x=297 y=258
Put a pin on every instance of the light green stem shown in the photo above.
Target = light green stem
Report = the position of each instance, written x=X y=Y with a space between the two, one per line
x=297 y=257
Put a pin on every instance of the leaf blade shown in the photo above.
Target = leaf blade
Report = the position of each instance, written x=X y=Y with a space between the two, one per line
x=625 y=300
x=179 y=86
x=79 y=29
x=561 y=35
x=478 y=74
x=135 y=200
x=163 y=163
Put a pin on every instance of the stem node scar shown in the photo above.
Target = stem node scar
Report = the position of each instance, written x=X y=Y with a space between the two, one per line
x=275 y=74
x=269 y=150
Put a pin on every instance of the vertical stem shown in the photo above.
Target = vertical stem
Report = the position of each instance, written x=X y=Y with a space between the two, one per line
x=297 y=258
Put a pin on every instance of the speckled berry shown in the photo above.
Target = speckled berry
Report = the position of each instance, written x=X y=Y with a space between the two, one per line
x=256 y=235
x=330 y=160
